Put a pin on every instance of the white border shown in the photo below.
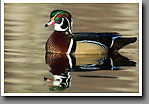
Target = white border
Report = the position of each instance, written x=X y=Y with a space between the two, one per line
x=140 y=47
x=72 y=1
x=71 y=94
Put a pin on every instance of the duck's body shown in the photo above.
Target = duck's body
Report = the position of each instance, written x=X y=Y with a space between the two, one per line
x=59 y=42
x=63 y=41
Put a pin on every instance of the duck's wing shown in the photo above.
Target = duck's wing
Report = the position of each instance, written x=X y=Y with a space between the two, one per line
x=106 y=39
x=114 y=41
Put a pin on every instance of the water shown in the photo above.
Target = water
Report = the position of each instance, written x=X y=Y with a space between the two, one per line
x=28 y=69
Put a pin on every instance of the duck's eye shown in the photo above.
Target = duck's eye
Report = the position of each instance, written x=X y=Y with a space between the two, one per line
x=59 y=16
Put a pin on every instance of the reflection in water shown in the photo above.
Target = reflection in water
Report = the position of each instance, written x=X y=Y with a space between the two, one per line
x=60 y=68
x=59 y=82
x=61 y=65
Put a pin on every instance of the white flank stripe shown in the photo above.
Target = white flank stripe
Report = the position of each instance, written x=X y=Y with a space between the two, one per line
x=70 y=46
x=90 y=41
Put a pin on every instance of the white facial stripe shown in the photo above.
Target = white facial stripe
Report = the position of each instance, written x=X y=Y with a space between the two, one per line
x=58 y=26
x=57 y=14
x=70 y=46
x=69 y=25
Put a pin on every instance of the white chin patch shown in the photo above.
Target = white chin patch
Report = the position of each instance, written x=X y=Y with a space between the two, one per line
x=58 y=26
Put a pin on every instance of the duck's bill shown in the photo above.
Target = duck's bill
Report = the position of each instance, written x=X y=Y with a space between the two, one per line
x=51 y=22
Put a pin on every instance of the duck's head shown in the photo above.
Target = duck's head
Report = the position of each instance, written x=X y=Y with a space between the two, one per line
x=62 y=20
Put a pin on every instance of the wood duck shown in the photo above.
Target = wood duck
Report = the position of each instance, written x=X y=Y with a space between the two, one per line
x=63 y=41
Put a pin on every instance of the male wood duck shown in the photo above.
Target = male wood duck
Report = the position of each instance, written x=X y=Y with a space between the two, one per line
x=63 y=41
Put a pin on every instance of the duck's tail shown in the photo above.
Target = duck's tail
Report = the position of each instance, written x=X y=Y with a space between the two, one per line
x=121 y=42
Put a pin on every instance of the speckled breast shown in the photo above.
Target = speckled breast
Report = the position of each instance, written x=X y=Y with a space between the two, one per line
x=58 y=42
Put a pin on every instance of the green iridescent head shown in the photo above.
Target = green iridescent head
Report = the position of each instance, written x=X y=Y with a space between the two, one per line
x=59 y=14
x=62 y=20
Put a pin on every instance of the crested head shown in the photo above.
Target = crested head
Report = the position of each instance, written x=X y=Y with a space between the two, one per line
x=62 y=20
x=60 y=14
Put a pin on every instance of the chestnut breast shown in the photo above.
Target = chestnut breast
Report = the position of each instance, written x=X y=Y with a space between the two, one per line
x=58 y=42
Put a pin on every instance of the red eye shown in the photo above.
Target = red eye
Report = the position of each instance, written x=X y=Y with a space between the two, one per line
x=59 y=16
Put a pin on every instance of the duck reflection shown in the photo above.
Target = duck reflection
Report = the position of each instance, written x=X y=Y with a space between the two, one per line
x=61 y=66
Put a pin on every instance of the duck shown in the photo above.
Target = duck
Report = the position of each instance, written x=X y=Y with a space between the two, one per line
x=64 y=41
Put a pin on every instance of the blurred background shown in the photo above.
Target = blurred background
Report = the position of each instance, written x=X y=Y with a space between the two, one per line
x=25 y=37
